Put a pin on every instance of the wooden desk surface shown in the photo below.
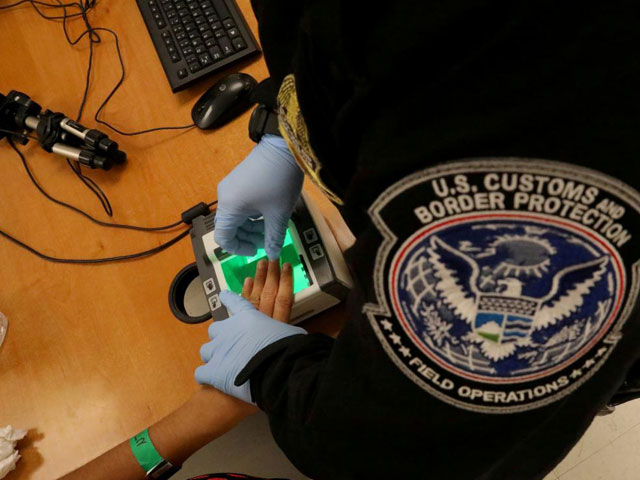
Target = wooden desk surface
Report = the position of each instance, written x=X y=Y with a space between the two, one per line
x=93 y=354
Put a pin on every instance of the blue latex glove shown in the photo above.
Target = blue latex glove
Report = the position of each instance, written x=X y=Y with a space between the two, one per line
x=267 y=183
x=235 y=341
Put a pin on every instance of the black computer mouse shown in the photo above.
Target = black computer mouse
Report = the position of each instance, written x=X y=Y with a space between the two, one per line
x=227 y=99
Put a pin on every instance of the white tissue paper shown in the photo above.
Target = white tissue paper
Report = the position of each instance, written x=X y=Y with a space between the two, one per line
x=9 y=456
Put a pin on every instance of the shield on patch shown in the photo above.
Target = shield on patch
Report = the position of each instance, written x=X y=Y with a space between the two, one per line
x=502 y=319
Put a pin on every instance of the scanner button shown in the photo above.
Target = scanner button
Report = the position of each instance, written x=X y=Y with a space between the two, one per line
x=214 y=302
x=310 y=235
x=316 y=252
x=209 y=286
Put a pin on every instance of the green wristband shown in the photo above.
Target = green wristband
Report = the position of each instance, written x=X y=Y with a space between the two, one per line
x=144 y=451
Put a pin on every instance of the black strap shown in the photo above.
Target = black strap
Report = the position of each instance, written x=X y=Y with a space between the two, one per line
x=263 y=121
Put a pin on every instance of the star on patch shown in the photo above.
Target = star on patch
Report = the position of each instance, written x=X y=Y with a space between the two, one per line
x=386 y=324
x=589 y=363
x=601 y=352
x=404 y=351
x=575 y=374
x=395 y=338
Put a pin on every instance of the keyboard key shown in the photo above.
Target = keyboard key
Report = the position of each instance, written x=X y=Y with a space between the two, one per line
x=209 y=42
x=203 y=27
x=220 y=33
x=191 y=58
x=180 y=5
x=171 y=49
x=182 y=73
x=205 y=60
x=183 y=12
x=225 y=46
x=205 y=4
x=186 y=51
x=181 y=36
x=193 y=34
x=207 y=34
x=200 y=49
x=233 y=32
x=216 y=53
x=209 y=12
x=190 y=27
x=194 y=67
x=174 y=21
x=239 y=44
x=228 y=23
x=221 y=8
x=161 y=23
x=197 y=13
x=201 y=21
x=197 y=41
x=185 y=43
x=175 y=57
x=216 y=26
x=172 y=14
x=177 y=29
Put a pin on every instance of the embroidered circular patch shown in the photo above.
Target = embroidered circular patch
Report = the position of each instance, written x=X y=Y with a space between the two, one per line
x=502 y=285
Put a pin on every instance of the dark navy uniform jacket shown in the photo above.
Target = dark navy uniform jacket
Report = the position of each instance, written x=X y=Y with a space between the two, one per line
x=485 y=154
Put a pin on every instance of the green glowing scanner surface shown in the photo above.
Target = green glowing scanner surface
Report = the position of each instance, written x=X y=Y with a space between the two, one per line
x=236 y=268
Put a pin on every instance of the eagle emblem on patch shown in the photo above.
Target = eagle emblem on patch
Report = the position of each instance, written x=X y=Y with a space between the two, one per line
x=502 y=285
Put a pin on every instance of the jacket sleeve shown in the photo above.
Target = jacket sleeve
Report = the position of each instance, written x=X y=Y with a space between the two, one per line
x=284 y=375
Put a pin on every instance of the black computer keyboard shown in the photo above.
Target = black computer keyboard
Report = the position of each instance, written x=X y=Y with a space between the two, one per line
x=194 y=38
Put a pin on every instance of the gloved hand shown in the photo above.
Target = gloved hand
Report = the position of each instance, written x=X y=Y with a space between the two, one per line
x=268 y=183
x=235 y=341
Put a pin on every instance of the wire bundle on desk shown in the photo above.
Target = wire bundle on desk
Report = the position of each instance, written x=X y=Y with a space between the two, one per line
x=92 y=33
x=118 y=258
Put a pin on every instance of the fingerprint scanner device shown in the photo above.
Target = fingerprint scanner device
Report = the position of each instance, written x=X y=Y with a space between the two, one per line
x=321 y=278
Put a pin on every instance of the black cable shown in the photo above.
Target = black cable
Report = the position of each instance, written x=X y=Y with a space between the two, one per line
x=93 y=38
x=81 y=261
x=115 y=89
x=84 y=6
x=83 y=213
x=18 y=134
x=92 y=186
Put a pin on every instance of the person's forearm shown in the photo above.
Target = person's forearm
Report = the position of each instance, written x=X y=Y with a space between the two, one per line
x=206 y=416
